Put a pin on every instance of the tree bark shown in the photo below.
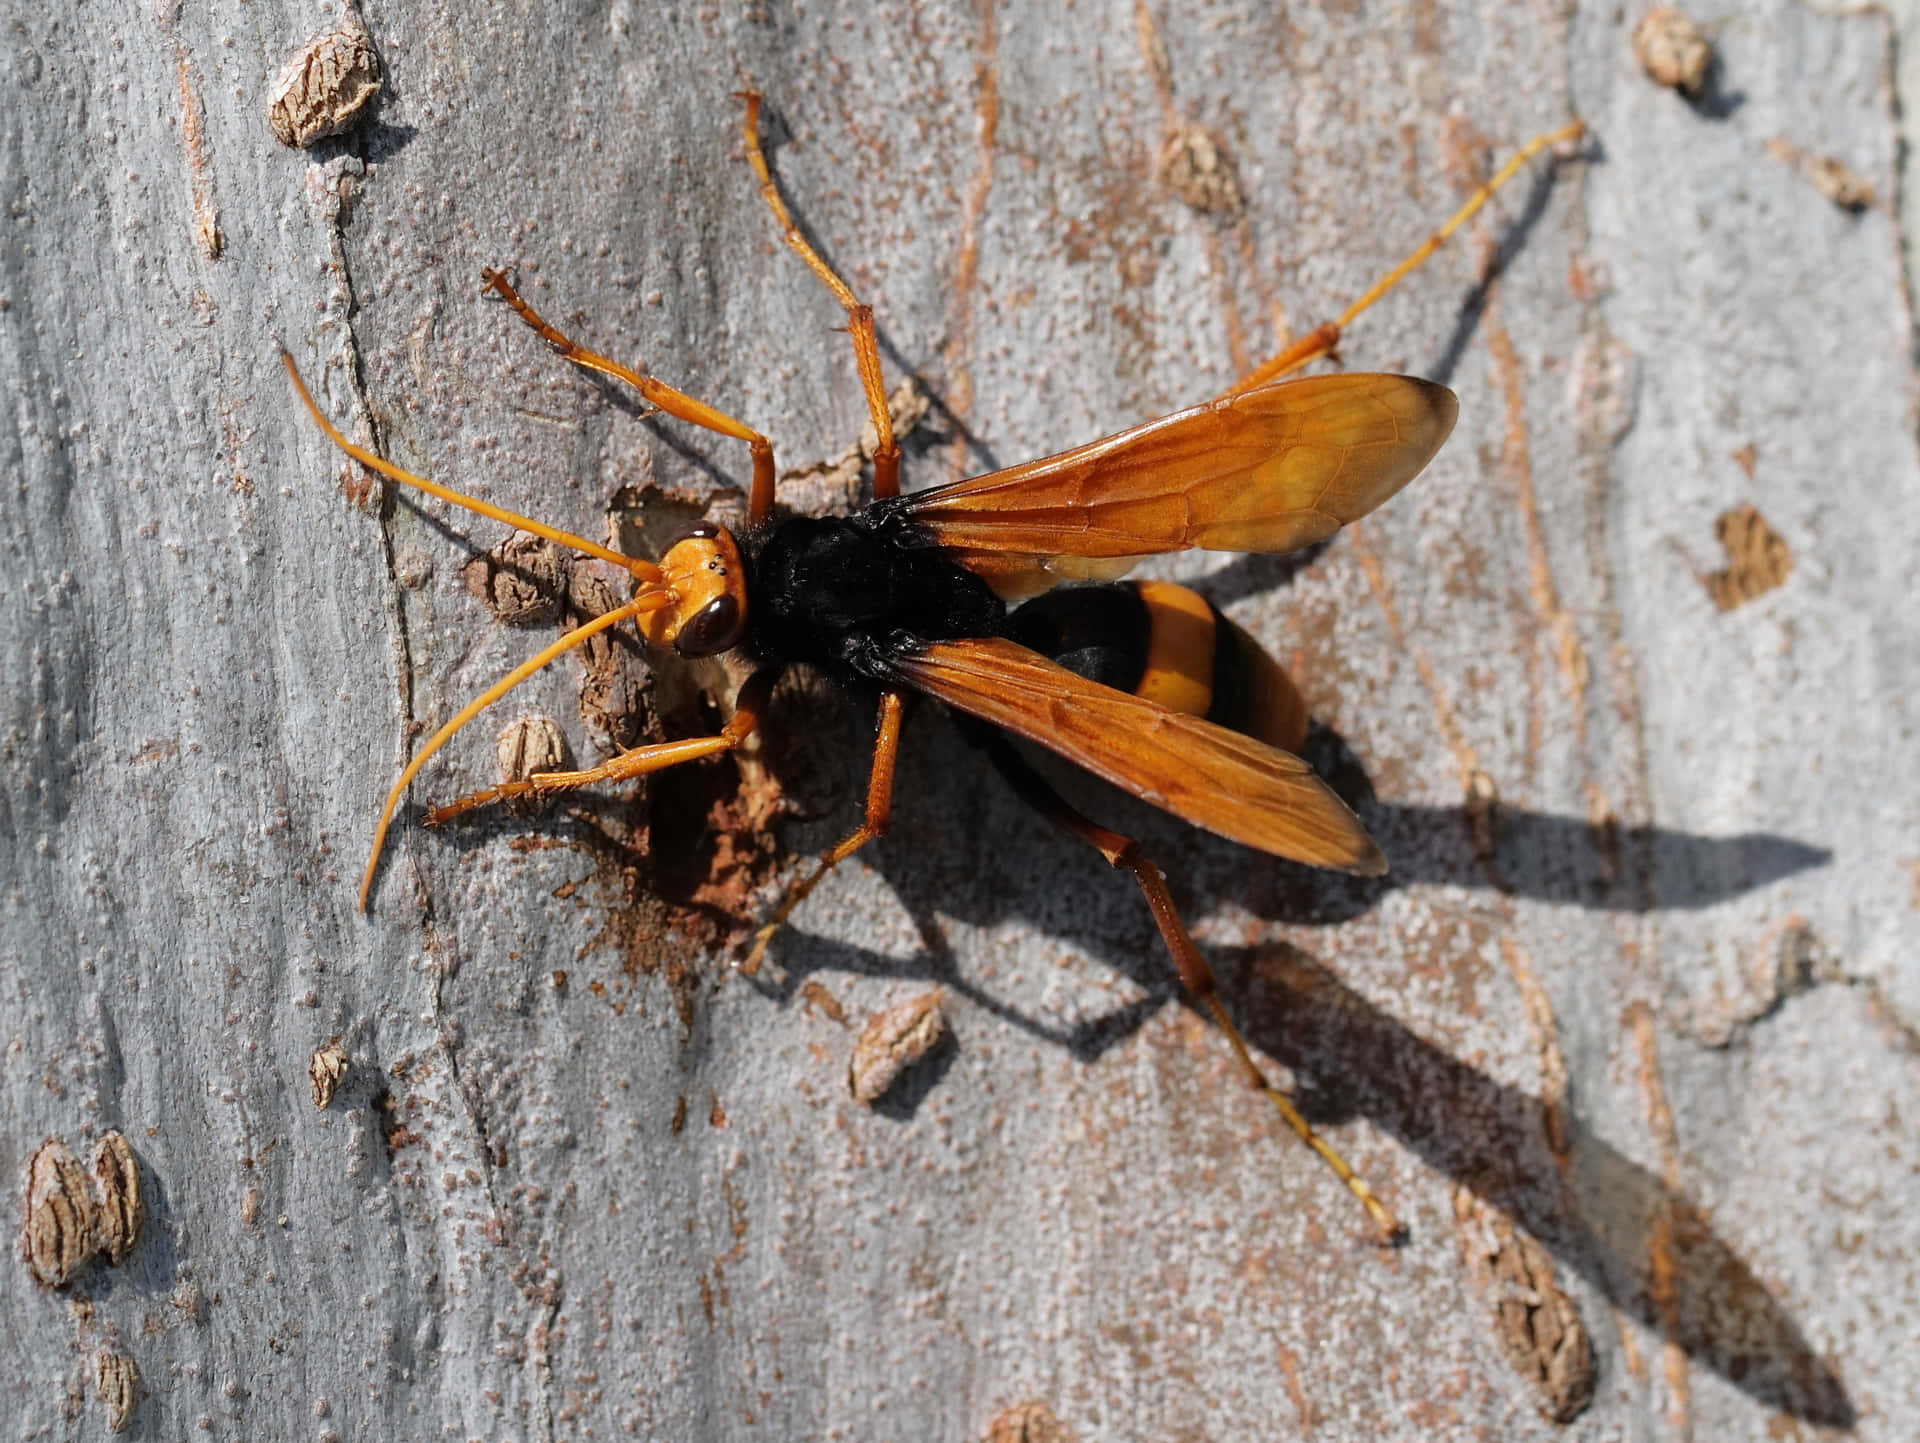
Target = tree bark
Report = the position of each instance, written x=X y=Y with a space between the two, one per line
x=1632 y=1021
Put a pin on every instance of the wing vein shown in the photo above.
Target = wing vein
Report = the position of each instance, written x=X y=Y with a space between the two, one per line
x=1218 y=779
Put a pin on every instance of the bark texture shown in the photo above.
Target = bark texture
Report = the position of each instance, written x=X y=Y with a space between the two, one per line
x=1627 y=1037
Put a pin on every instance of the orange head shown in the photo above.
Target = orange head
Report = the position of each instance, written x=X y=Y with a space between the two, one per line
x=707 y=582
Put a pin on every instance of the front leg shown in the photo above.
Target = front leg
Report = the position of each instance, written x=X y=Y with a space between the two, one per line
x=637 y=762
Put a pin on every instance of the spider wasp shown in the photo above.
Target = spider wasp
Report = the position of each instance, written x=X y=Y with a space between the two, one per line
x=949 y=593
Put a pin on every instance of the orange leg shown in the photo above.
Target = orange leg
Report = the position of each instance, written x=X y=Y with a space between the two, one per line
x=886 y=750
x=1323 y=340
x=577 y=637
x=1124 y=853
x=657 y=393
x=635 y=763
x=866 y=346
x=650 y=595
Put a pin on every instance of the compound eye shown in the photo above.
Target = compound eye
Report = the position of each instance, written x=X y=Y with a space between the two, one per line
x=713 y=629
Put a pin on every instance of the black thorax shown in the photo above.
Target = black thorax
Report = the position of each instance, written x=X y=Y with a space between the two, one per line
x=842 y=594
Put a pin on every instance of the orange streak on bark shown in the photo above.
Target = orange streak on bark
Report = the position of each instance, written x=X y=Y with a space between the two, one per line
x=967 y=275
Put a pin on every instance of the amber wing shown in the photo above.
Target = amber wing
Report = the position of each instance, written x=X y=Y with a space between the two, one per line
x=1242 y=789
x=1268 y=470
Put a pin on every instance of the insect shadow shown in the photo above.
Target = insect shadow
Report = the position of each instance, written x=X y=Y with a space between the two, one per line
x=1512 y=850
x=1601 y=1219
x=966 y=850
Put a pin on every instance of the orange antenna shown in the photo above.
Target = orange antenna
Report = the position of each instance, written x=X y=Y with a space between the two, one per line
x=645 y=571
x=649 y=601
x=652 y=596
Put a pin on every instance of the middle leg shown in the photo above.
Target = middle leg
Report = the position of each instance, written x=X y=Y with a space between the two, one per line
x=886 y=751
x=1125 y=854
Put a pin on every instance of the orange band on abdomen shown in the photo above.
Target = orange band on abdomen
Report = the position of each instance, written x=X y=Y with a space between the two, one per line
x=1180 y=642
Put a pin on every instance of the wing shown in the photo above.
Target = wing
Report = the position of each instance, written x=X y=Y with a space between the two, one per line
x=1242 y=789
x=1267 y=470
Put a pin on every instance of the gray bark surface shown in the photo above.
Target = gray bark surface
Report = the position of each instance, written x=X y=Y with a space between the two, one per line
x=1641 y=985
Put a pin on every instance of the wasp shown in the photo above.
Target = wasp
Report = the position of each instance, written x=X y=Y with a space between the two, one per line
x=999 y=597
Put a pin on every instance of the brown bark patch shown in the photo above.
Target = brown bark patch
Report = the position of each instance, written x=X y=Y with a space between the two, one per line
x=1757 y=558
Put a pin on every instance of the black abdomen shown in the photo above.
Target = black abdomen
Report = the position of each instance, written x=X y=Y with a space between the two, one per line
x=1170 y=645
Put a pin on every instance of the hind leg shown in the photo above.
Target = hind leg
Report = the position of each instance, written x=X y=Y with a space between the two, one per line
x=1125 y=854
x=886 y=750
x=1323 y=340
